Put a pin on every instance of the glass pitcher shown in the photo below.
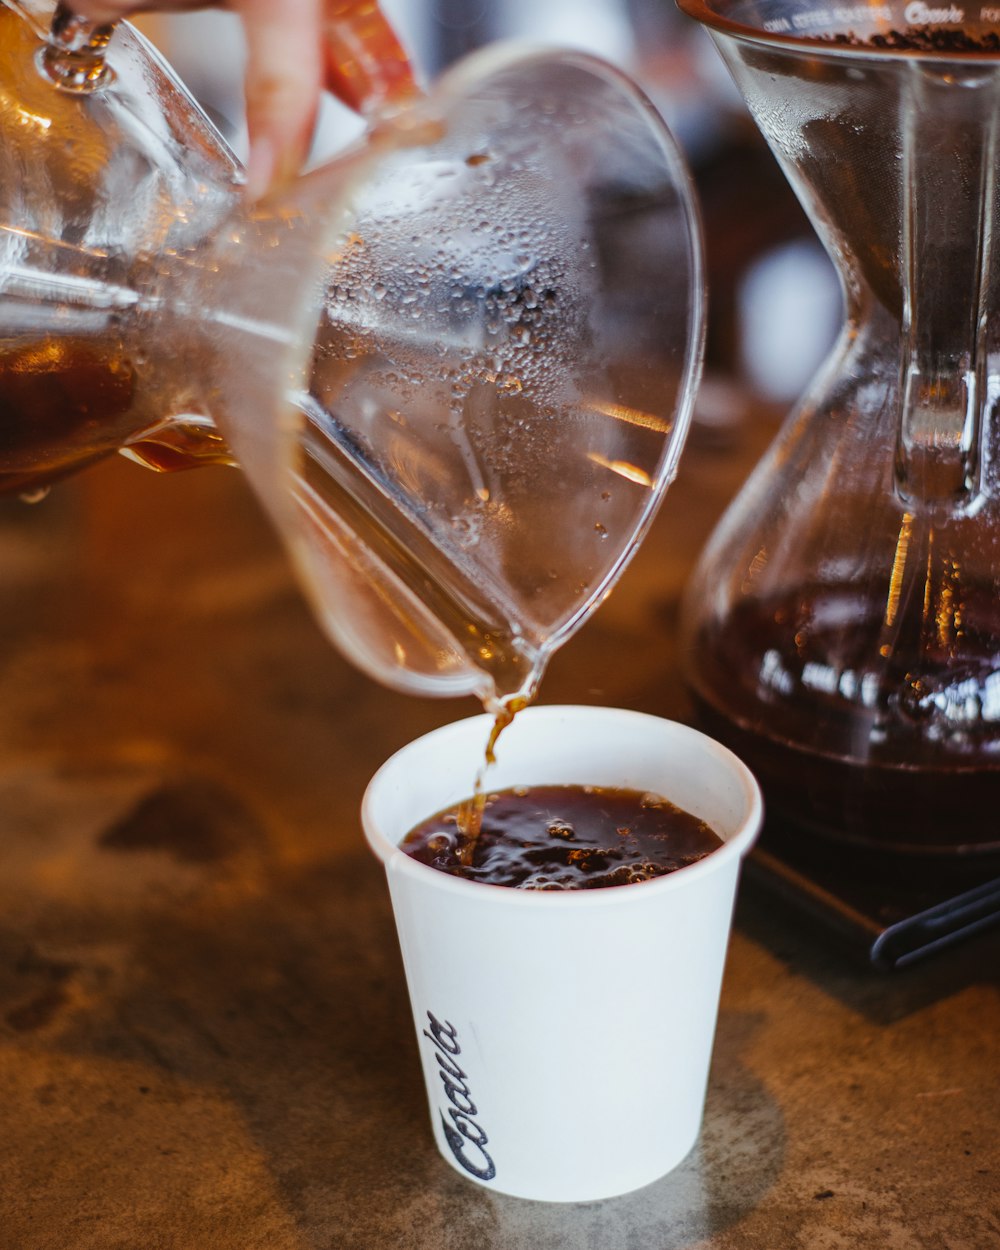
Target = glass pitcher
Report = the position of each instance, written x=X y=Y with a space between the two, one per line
x=456 y=364
x=843 y=626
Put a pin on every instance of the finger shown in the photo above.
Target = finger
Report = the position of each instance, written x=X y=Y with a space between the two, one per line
x=283 y=84
x=366 y=65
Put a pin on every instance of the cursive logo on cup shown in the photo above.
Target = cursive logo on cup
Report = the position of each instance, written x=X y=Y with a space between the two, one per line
x=918 y=13
x=465 y=1138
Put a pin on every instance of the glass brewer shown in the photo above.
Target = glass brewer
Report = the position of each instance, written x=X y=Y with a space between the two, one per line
x=456 y=364
x=843 y=625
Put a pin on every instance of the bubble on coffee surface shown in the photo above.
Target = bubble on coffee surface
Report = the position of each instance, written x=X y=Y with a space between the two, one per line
x=563 y=837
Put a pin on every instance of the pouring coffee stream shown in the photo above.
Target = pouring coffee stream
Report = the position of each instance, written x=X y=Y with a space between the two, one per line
x=455 y=364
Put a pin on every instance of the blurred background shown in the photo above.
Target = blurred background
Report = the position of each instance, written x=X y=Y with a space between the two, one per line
x=774 y=301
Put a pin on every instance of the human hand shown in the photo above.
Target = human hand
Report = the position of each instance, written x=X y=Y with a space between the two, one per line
x=295 y=48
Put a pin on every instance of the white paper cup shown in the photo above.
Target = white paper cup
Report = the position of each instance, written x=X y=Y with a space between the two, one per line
x=565 y=1036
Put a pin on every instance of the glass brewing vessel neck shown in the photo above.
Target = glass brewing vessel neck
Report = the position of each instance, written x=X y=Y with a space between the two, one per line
x=885 y=122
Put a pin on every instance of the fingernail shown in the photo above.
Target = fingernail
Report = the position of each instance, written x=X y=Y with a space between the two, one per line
x=261 y=163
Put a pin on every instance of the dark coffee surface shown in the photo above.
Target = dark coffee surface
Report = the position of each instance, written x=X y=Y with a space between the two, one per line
x=562 y=838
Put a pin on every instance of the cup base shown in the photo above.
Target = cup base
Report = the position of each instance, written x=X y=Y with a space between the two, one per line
x=568 y=1195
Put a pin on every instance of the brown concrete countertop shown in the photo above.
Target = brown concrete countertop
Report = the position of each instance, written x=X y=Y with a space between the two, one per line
x=205 y=1042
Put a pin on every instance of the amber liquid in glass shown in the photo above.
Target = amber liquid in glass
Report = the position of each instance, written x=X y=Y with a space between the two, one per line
x=845 y=742
x=68 y=402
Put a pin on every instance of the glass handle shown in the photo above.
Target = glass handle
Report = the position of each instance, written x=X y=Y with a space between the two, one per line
x=73 y=54
x=948 y=175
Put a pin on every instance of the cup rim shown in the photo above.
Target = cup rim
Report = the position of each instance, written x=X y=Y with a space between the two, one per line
x=716 y=17
x=397 y=862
